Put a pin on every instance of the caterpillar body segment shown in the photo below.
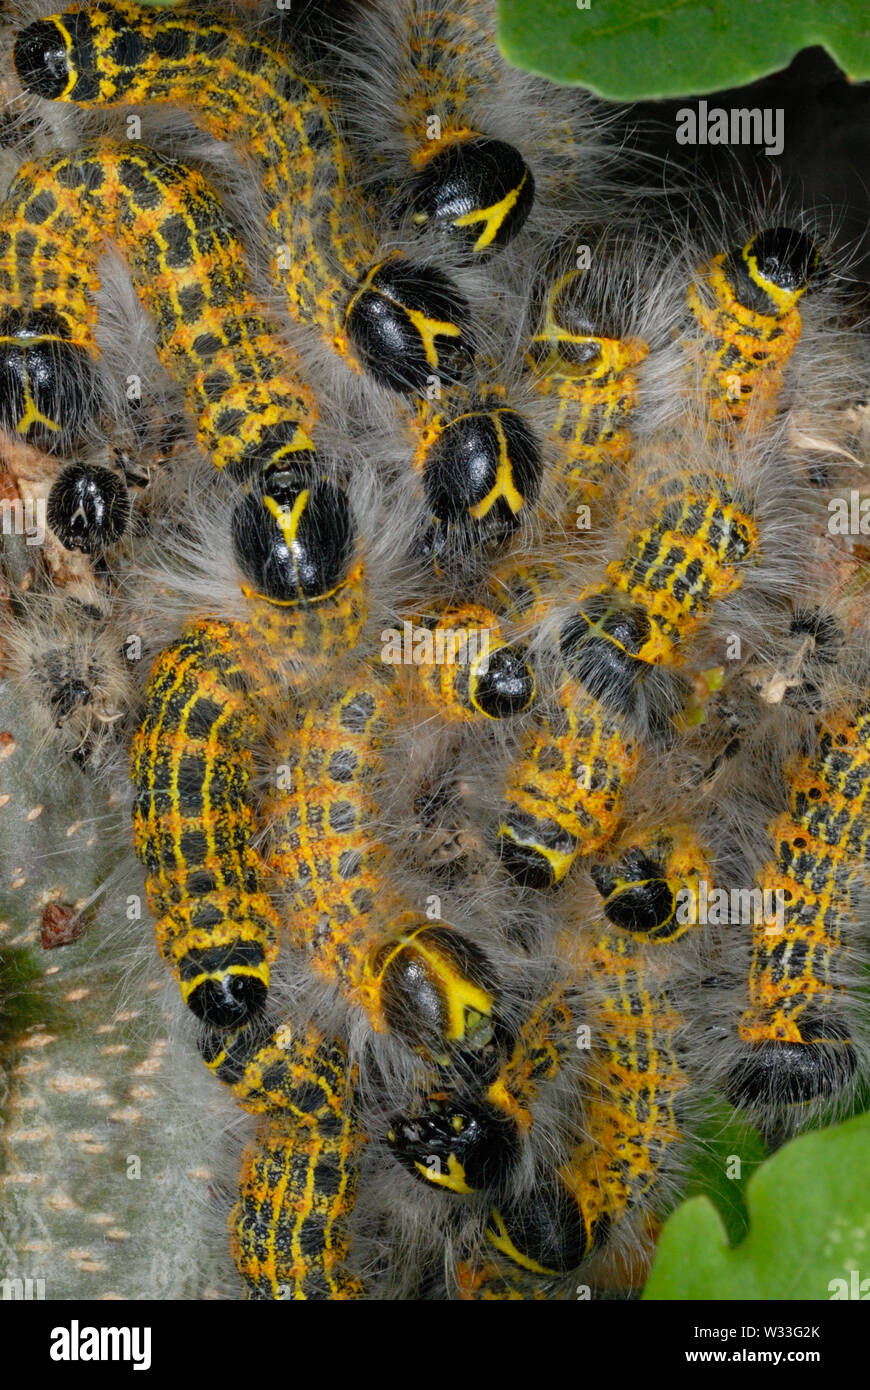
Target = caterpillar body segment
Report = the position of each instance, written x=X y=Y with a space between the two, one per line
x=467 y=671
x=693 y=550
x=630 y=1123
x=640 y=882
x=206 y=707
x=401 y=321
x=487 y=1282
x=48 y=352
x=564 y=795
x=745 y=304
x=458 y=179
x=192 y=765
x=241 y=383
x=298 y=1179
x=589 y=383
x=798 y=1043
x=413 y=976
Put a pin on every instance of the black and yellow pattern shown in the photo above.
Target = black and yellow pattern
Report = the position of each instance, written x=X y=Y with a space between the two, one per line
x=478 y=189
x=241 y=382
x=797 y=1039
x=467 y=672
x=745 y=304
x=298 y=1179
x=413 y=975
x=192 y=764
x=643 y=879
x=48 y=254
x=630 y=1122
x=691 y=552
x=590 y=385
x=465 y=1143
x=564 y=794
x=404 y=324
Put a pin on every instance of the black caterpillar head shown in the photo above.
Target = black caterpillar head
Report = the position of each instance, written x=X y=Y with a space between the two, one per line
x=506 y=687
x=484 y=468
x=409 y=325
x=46 y=381
x=479 y=190
x=773 y=269
x=637 y=895
x=599 y=648
x=458 y=1146
x=88 y=507
x=438 y=991
x=545 y=1233
x=293 y=533
x=777 y=1073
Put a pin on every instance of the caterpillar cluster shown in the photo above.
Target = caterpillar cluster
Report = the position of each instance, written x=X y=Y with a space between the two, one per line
x=488 y=625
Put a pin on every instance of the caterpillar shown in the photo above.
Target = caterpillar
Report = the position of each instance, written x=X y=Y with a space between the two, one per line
x=700 y=537
x=407 y=326
x=796 y=1040
x=746 y=307
x=634 y=1082
x=411 y=974
x=640 y=882
x=563 y=795
x=459 y=180
x=298 y=1179
x=192 y=758
x=465 y=669
x=590 y=385
x=429 y=1122
x=240 y=381
x=631 y=1121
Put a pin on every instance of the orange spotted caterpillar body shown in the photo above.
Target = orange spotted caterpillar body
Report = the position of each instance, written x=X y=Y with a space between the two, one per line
x=407 y=325
x=630 y=1126
x=745 y=304
x=564 y=794
x=477 y=189
x=642 y=877
x=241 y=383
x=192 y=764
x=692 y=552
x=797 y=1043
x=205 y=709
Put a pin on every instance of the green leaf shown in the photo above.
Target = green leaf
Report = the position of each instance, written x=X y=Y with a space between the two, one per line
x=723 y=1136
x=809 y=1225
x=628 y=50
